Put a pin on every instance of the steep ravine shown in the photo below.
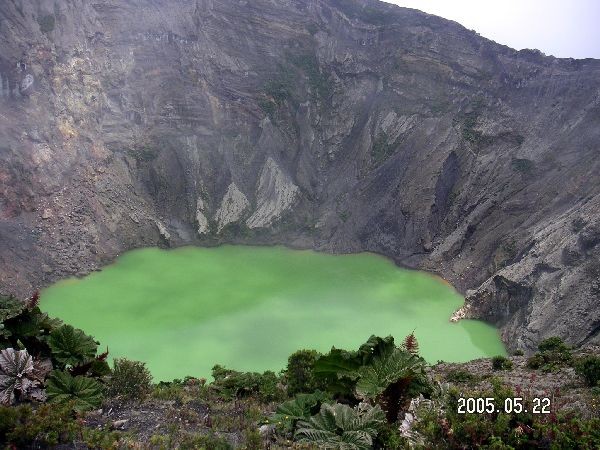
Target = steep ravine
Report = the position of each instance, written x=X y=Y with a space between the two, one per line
x=340 y=125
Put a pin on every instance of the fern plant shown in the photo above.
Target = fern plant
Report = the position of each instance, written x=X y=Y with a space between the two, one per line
x=339 y=426
x=85 y=393
x=21 y=377
x=410 y=344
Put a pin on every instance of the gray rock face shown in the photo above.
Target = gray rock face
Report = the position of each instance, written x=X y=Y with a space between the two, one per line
x=275 y=195
x=339 y=125
x=232 y=208
x=203 y=227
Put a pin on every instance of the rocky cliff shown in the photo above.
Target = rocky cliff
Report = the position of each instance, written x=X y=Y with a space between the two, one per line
x=341 y=125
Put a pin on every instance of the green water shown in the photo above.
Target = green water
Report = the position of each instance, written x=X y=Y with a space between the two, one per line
x=183 y=311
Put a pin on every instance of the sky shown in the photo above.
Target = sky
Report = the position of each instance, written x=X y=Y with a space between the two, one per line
x=562 y=28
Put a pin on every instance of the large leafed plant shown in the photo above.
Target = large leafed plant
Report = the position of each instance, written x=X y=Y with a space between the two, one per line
x=301 y=407
x=84 y=392
x=21 y=377
x=339 y=426
x=392 y=380
x=377 y=371
x=23 y=324
x=71 y=347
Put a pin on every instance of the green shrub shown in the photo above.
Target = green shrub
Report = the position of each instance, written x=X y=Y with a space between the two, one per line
x=48 y=425
x=233 y=384
x=469 y=127
x=389 y=438
x=536 y=361
x=252 y=440
x=102 y=439
x=460 y=376
x=299 y=372
x=9 y=418
x=578 y=224
x=589 y=369
x=209 y=441
x=518 y=352
x=553 y=354
x=552 y=344
x=501 y=363
x=169 y=390
x=130 y=380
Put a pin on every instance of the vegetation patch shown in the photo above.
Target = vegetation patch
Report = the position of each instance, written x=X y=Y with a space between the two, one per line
x=320 y=85
x=553 y=354
x=382 y=149
x=522 y=165
x=299 y=372
x=268 y=105
x=279 y=89
x=501 y=429
x=460 y=376
x=282 y=87
x=233 y=384
x=130 y=380
x=471 y=134
x=144 y=153
x=501 y=363
x=47 y=23
x=589 y=369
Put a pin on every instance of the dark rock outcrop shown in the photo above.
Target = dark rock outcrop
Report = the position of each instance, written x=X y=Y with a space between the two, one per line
x=342 y=125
